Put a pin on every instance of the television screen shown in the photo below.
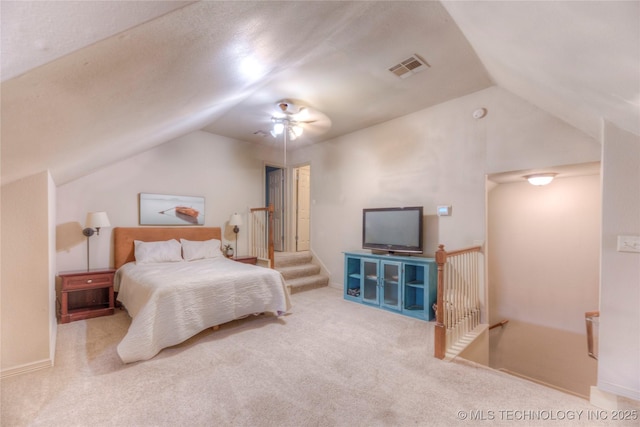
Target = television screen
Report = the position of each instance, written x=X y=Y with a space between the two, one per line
x=392 y=229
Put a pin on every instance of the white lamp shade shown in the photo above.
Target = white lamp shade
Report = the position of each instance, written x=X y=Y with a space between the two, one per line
x=236 y=219
x=97 y=220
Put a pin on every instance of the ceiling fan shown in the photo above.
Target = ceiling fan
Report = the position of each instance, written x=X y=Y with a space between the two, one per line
x=292 y=119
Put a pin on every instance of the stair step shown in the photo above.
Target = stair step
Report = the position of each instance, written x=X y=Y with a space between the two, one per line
x=296 y=271
x=307 y=283
x=285 y=259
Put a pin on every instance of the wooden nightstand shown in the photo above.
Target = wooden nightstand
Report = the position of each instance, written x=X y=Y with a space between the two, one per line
x=246 y=259
x=86 y=294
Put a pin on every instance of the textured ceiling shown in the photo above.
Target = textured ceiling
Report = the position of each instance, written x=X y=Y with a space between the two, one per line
x=37 y=32
x=85 y=84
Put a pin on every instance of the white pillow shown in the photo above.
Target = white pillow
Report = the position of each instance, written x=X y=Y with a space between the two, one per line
x=153 y=252
x=192 y=249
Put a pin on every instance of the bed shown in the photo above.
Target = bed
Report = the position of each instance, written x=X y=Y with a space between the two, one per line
x=180 y=284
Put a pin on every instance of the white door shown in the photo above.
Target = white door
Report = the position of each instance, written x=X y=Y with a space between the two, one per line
x=303 y=217
x=276 y=198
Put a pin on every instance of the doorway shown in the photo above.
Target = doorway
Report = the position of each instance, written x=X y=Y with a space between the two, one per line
x=543 y=271
x=293 y=234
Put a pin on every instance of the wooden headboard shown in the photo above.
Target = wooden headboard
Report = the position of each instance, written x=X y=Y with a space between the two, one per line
x=123 y=237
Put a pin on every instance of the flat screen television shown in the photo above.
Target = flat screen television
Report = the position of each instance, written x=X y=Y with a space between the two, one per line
x=394 y=230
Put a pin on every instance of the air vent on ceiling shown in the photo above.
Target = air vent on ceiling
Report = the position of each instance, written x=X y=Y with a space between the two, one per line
x=410 y=66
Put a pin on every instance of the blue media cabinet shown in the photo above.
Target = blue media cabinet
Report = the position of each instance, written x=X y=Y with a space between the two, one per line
x=403 y=284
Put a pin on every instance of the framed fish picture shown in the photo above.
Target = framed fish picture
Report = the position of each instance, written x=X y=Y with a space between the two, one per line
x=166 y=209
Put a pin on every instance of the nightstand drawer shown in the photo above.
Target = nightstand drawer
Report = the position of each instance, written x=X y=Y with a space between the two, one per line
x=89 y=281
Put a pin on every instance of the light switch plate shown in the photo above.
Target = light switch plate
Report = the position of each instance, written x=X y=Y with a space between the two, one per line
x=629 y=244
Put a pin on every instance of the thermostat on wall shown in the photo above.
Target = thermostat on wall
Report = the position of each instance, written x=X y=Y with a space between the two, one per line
x=444 y=210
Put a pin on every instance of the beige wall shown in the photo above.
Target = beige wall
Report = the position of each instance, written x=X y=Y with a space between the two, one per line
x=229 y=174
x=619 y=330
x=438 y=156
x=28 y=286
x=543 y=251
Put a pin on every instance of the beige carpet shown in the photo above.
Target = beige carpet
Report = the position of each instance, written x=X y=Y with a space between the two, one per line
x=329 y=363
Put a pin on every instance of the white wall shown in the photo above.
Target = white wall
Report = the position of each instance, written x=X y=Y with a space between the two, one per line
x=544 y=251
x=28 y=286
x=228 y=173
x=619 y=330
x=437 y=156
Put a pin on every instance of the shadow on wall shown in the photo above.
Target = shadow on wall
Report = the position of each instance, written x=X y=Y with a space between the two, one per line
x=431 y=235
x=69 y=235
x=552 y=357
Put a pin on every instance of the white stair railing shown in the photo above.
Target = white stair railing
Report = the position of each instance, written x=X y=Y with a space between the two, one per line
x=458 y=305
x=261 y=234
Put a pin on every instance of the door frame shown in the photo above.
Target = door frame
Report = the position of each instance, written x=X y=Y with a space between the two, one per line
x=289 y=200
x=281 y=225
x=294 y=198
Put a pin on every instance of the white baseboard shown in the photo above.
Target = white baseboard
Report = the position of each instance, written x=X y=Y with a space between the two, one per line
x=611 y=401
x=29 y=367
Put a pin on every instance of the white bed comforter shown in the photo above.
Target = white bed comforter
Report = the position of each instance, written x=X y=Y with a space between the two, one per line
x=171 y=302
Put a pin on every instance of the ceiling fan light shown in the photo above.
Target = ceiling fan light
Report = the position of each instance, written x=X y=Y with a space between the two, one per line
x=292 y=134
x=297 y=130
x=278 y=128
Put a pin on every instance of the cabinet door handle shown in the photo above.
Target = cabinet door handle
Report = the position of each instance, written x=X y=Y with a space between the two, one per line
x=89 y=281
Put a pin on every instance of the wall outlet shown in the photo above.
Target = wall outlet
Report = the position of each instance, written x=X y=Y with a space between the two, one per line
x=629 y=244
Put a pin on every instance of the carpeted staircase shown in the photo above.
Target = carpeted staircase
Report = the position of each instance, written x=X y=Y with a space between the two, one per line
x=299 y=272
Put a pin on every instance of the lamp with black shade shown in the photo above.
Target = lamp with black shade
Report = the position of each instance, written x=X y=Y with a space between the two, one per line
x=95 y=221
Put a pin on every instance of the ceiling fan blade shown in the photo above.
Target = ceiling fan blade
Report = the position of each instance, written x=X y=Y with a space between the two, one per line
x=317 y=126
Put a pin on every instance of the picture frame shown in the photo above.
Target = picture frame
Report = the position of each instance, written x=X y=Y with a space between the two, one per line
x=169 y=209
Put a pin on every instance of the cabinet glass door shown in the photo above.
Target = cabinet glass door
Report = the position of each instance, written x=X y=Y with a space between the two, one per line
x=391 y=284
x=370 y=282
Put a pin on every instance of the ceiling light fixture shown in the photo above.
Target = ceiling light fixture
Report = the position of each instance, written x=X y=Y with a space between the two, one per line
x=290 y=120
x=540 y=178
x=293 y=129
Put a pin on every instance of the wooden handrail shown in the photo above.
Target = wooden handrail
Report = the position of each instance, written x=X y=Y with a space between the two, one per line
x=460 y=251
x=501 y=323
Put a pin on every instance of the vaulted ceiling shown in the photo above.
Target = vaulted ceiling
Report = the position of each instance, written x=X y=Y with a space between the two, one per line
x=85 y=84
